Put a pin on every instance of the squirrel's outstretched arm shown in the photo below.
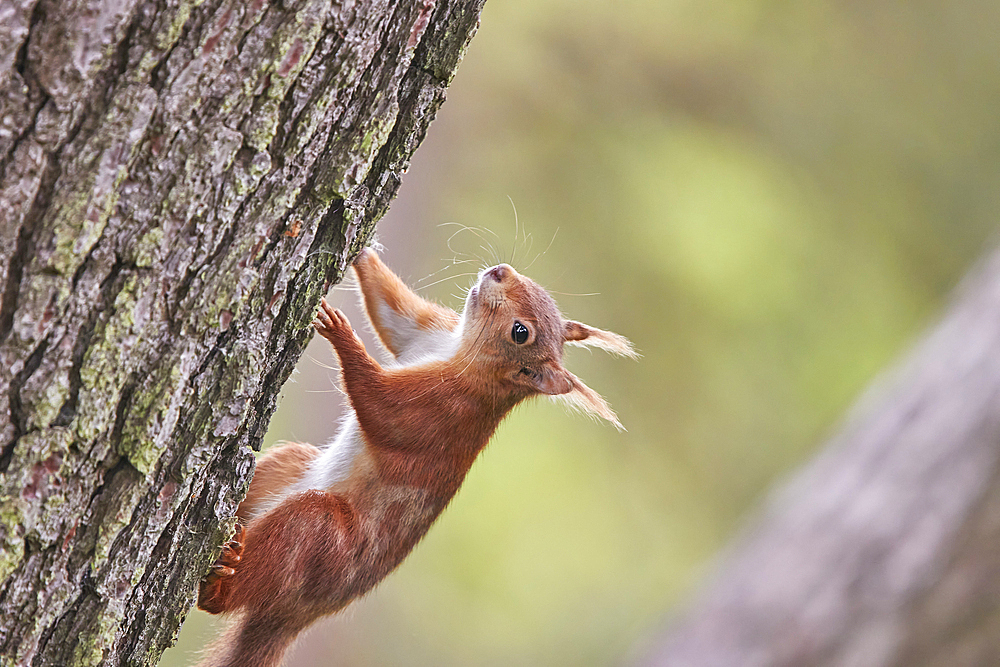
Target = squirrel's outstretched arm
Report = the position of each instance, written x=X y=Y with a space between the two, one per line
x=391 y=405
x=402 y=320
x=365 y=381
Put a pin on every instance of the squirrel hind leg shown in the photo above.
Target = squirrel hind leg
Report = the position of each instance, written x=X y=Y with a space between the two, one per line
x=213 y=594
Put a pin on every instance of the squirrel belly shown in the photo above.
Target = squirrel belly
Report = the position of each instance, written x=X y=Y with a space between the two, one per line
x=321 y=527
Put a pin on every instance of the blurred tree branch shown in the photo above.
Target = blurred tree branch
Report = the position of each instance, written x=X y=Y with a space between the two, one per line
x=885 y=549
x=179 y=182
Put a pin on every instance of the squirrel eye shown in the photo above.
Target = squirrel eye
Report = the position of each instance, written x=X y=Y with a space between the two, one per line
x=519 y=334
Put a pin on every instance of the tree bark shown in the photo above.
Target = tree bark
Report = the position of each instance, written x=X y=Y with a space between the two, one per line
x=884 y=550
x=180 y=181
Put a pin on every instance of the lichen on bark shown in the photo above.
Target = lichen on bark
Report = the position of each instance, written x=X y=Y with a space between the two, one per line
x=181 y=181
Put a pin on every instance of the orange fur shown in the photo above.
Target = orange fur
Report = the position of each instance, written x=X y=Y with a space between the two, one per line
x=308 y=552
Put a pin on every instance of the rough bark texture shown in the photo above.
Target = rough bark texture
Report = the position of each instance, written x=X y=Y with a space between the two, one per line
x=180 y=180
x=885 y=550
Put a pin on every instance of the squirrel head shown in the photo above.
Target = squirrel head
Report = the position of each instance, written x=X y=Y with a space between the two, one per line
x=513 y=332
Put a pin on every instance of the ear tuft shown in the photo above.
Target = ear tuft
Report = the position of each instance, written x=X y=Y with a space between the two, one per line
x=577 y=333
x=584 y=399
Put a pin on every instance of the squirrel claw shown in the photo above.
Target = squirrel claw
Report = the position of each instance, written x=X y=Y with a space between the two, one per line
x=331 y=322
x=232 y=554
x=235 y=545
x=211 y=595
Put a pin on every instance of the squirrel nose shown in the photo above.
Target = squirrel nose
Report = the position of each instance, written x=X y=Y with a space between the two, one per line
x=499 y=272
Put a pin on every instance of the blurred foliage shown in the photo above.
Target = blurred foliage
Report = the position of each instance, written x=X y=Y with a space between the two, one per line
x=772 y=199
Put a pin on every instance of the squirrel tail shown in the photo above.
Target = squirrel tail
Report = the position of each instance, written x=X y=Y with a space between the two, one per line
x=253 y=639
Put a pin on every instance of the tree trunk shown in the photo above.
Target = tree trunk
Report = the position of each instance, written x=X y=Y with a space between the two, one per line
x=885 y=550
x=180 y=181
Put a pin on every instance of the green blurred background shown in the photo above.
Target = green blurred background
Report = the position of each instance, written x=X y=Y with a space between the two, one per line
x=771 y=199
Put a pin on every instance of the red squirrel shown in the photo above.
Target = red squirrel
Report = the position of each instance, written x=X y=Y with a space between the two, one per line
x=321 y=527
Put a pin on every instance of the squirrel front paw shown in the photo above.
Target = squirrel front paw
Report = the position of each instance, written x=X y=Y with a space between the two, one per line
x=333 y=325
x=211 y=596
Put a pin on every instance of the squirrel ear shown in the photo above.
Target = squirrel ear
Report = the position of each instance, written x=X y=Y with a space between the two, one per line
x=588 y=401
x=578 y=333
x=551 y=379
x=555 y=380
